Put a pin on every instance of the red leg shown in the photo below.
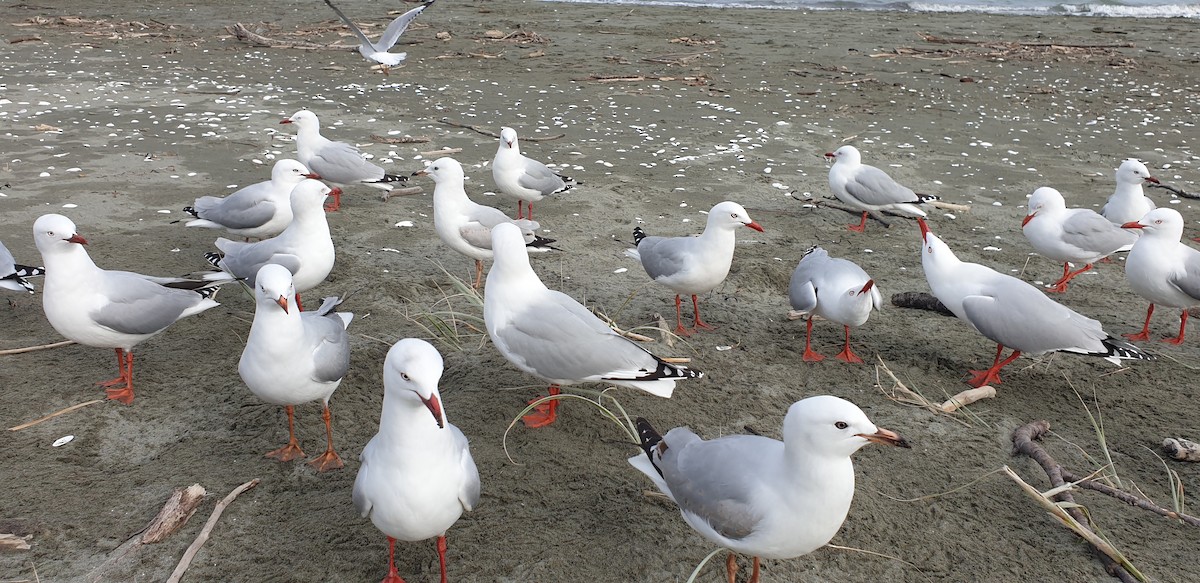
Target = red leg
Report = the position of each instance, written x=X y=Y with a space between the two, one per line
x=861 y=226
x=292 y=450
x=679 y=329
x=441 y=547
x=991 y=376
x=847 y=354
x=544 y=414
x=809 y=355
x=520 y=209
x=754 y=573
x=393 y=575
x=299 y=306
x=337 y=195
x=120 y=389
x=478 y=274
x=328 y=460
x=1182 y=324
x=1145 y=333
x=1060 y=286
x=731 y=568
x=696 y=309
x=529 y=210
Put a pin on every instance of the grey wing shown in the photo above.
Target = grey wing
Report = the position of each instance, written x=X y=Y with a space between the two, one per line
x=1092 y=232
x=1188 y=282
x=361 y=37
x=481 y=219
x=362 y=503
x=664 y=256
x=715 y=480
x=801 y=289
x=873 y=186
x=245 y=259
x=235 y=213
x=539 y=177
x=1028 y=321
x=398 y=26
x=341 y=163
x=139 y=306
x=468 y=492
x=331 y=345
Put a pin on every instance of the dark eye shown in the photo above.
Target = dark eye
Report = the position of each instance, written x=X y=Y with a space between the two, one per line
x=405 y=376
x=734 y=215
x=841 y=425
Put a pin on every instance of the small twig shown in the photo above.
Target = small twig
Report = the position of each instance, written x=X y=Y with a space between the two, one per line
x=835 y=204
x=949 y=206
x=442 y=151
x=402 y=140
x=1177 y=191
x=35 y=348
x=55 y=414
x=201 y=538
x=487 y=132
x=1128 y=498
x=244 y=34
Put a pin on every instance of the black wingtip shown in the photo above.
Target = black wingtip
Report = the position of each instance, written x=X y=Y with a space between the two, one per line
x=650 y=441
x=1124 y=350
x=213 y=259
x=542 y=243
x=638 y=235
x=28 y=270
x=393 y=178
x=191 y=211
x=923 y=198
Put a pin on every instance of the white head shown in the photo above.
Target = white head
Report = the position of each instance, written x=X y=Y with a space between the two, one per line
x=828 y=426
x=411 y=373
x=1044 y=199
x=304 y=120
x=273 y=287
x=443 y=171
x=288 y=171
x=730 y=215
x=508 y=248
x=309 y=196
x=508 y=139
x=55 y=234
x=1132 y=171
x=845 y=154
x=1160 y=222
x=934 y=252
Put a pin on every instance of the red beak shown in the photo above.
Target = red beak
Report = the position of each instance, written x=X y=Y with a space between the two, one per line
x=1029 y=217
x=77 y=239
x=507 y=144
x=434 y=407
x=866 y=288
x=924 y=228
x=830 y=155
x=1133 y=225
x=885 y=437
x=755 y=226
x=285 y=121
x=1152 y=179
x=312 y=175
x=283 y=303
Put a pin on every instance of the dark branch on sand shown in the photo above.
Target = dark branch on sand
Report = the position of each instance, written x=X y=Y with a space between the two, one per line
x=245 y=35
x=487 y=132
x=1176 y=191
x=920 y=301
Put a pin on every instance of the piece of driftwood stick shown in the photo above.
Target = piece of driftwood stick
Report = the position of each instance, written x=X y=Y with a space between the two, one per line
x=245 y=35
x=949 y=206
x=12 y=542
x=488 y=132
x=35 y=348
x=446 y=151
x=406 y=191
x=966 y=41
x=175 y=513
x=1182 y=449
x=920 y=301
x=835 y=204
x=401 y=140
x=967 y=397
x=1128 y=498
x=55 y=414
x=201 y=538
x=1177 y=191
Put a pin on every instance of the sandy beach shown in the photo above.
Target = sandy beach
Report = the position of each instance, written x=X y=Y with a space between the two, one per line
x=119 y=114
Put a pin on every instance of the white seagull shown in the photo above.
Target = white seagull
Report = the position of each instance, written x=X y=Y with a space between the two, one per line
x=417 y=475
x=258 y=211
x=548 y=334
x=1162 y=269
x=12 y=274
x=834 y=289
x=293 y=357
x=1129 y=202
x=524 y=179
x=378 y=51
x=305 y=247
x=107 y=309
x=336 y=162
x=761 y=496
x=693 y=265
x=869 y=188
x=1075 y=235
x=466 y=226
x=1013 y=313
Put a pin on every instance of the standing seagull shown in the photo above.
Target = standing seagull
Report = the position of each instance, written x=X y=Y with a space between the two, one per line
x=1162 y=269
x=336 y=162
x=693 y=265
x=521 y=178
x=1070 y=235
x=261 y=210
x=107 y=309
x=293 y=357
x=12 y=274
x=417 y=475
x=548 y=334
x=869 y=188
x=835 y=289
x=465 y=226
x=1013 y=313
x=378 y=52
x=761 y=496
x=1129 y=202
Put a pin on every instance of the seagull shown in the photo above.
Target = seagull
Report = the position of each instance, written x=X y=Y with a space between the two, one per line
x=548 y=334
x=293 y=357
x=107 y=309
x=1070 y=235
x=378 y=52
x=869 y=188
x=257 y=211
x=465 y=226
x=1129 y=202
x=305 y=247
x=835 y=289
x=1162 y=269
x=693 y=265
x=524 y=179
x=12 y=274
x=1013 y=313
x=761 y=496
x=336 y=162
x=417 y=475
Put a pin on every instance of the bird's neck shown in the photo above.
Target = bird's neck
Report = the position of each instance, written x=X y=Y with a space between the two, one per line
x=1129 y=190
x=406 y=419
x=68 y=264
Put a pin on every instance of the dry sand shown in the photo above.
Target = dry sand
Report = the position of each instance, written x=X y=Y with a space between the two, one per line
x=159 y=105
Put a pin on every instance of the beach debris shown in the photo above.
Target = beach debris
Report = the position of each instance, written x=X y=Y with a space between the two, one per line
x=55 y=414
x=401 y=140
x=693 y=41
x=174 y=514
x=517 y=36
x=1182 y=449
x=967 y=397
x=920 y=301
x=241 y=33
x=100 y=27
x=488 y=132
x=36 y=348
x=1174 y=190
x=900 y=393
x=1002 y=49
x=12 y=542
x=63 y=441
x=694 y=80
x=201 y=538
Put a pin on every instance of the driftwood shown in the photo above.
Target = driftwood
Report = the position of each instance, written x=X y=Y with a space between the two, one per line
x=55 y=414
x=920 y=301
x=201 y=538
x=247 y=36
x=967 y=397
x=180 y=506
x=488 y=132
x=1176 y=191
x=836 y=204
x=1182 y=449
x=949 y=206
x=694 y=80
x=36 y=348
x=12 y=542
x=401 y=140
x=929 y=38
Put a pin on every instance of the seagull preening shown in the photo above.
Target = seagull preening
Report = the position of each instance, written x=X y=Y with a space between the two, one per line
x=293 y=357
x=1162 y=269
x=1129 y=201
x=548 y=334
x=378 y=51
x=1013 y=313
x=466 y=226
x=835 y=289
x=417 y=475
x=258 y=211
x=109 y=309
x=524 y=179
x=336 y=162
x=693 y=264
x=1075 y=235
x=869 y=188
x=761 y=496
x=13 y=274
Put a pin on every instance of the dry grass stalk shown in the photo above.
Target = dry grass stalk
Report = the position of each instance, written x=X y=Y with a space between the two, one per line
x=36 y=348
x=55 y=414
